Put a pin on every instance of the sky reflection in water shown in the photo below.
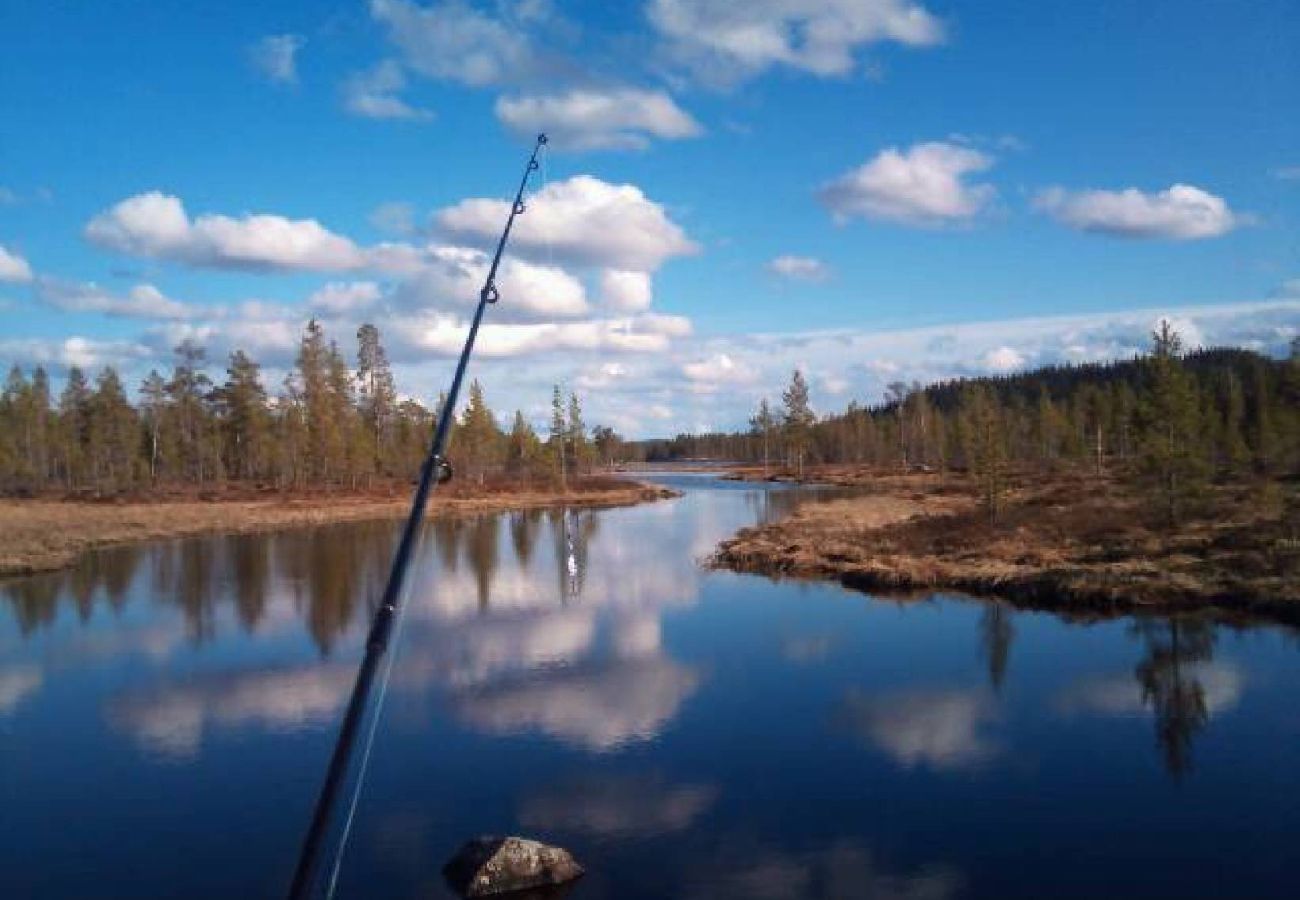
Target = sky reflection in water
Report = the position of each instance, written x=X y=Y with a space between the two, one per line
x=165 y=713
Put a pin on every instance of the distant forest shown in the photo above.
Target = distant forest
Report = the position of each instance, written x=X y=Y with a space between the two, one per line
x=1175 y=419
x=329 y=425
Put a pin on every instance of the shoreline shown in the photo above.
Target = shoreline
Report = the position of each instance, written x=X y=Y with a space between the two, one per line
x=1073 y=546
x=49 y=535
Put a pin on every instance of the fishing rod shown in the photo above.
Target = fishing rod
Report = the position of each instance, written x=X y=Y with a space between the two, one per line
x=435 y=470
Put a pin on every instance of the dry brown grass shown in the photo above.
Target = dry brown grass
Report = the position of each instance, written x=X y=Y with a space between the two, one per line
x=1072 y=542
x=41 y=535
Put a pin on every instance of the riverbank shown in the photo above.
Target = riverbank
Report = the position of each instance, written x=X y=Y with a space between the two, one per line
x=1076 y=544
x=45 y=535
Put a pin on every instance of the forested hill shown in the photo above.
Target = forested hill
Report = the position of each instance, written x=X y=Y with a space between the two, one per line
x=1216 y=410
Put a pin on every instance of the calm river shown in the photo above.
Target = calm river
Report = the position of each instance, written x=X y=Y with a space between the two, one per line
x=166 y=713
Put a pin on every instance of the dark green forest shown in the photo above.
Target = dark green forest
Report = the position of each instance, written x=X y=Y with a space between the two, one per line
x=1175 y=420
x=328 y=425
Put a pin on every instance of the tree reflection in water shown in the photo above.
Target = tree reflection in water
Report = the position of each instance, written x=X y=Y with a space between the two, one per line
x=996 y=634
x=1171 y=685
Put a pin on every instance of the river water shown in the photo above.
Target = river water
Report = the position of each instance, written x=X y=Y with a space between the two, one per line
x=166 y=713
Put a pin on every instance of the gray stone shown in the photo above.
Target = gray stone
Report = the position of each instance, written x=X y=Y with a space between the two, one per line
x=490 y=866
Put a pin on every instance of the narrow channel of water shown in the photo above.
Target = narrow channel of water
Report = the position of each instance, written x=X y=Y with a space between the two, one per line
x=166 y=712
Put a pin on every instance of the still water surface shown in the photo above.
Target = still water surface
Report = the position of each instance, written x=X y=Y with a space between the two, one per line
x=166 y=713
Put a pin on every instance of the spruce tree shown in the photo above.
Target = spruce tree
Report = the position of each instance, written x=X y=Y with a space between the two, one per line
x=797 y=419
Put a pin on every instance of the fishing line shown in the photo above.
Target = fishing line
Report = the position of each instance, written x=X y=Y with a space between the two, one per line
x=433 y=471
x=364 y=766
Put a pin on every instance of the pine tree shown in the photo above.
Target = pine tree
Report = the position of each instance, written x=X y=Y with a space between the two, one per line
x=797 y=420
x=114 y=432
x=478 y=439
x=153 y=410
x=246 y=420
x=763 y=425
x=74 y=422
x=1170 y=455
x=187 y=393
x=523 y=447
x=576 y=434
x=559 y=432
x=984 y=437
x=377 y=398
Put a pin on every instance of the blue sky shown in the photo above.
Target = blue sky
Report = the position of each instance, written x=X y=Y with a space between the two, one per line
x=868 y=189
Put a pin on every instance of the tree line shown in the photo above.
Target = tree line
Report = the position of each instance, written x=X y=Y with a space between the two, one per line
x=329 y=425
x=1172 y=420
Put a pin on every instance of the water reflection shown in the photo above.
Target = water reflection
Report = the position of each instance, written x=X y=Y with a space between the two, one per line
x=1177 y=682
x=843 y=868
x=996 y=634
x=941 y=728
x=616 y=806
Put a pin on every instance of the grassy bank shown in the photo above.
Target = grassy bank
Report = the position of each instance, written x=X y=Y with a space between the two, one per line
x=1081 y=544
x=46 y=534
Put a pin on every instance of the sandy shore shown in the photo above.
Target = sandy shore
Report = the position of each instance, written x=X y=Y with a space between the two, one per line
x=1075 y=545
x=43 y=535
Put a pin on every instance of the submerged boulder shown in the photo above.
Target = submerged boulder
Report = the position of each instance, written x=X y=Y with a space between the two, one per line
x=490 y=866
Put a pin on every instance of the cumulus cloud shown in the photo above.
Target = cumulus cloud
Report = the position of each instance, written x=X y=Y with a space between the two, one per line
x=453 y=40
x=799 y=268
x=598 y=119
x=1182 y=212
x=374 y=94
x=276 y=57
x=156 y=225
x=583 y=221
x=87 y=353
x=724 y=42
x=345 y=296
x=626 y=291
x=452 y=277
x=144 y=301
x=442 y=334
x=13 y=267
x=718 y=371
x=924 y=185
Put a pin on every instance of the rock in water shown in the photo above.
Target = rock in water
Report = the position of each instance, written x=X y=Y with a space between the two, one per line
x=488 y=866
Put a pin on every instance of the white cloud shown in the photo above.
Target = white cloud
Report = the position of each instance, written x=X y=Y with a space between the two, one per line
x=373 y=94
x=395 y=217
x=1004 y=359
x=13 y=267
x=144 y=301
x=1182 y=212
x=453 y=276
x=799 y=268
x=345 y=296
x=923 y=185
x=276 y=57
x=723 y=41
x=453 y=40
x=1287 y=173
x=155 y=225
x=443 y=334
x=715 y=372
x=626 y=291
x=584 y=221
x=604 y=119
x=1120 y=694
x=87 y=353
